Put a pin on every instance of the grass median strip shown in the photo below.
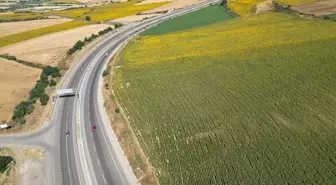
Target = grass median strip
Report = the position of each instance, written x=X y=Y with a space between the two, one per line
x=23 y=36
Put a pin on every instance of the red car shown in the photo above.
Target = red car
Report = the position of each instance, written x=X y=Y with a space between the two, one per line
x=94 y=127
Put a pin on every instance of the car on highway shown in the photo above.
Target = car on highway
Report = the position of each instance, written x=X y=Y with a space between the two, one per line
x=67 y=133
x=94 y=127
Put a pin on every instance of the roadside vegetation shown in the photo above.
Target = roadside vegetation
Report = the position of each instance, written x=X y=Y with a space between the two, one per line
x=5 y=162
x=30 y=64
x=22 y=36
x=108 y=12
x=250 y=100
x=203 y=17
x=80 y=44
x=47 y=79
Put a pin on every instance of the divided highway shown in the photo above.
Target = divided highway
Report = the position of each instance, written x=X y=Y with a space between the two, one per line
x=87 y=156
x=92 y=156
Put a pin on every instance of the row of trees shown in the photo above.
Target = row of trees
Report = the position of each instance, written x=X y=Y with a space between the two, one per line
x=79 y=44
x=37 y=93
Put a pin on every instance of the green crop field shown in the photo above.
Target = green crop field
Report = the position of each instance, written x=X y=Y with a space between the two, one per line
x=203 y=17
x=22 y=36
x=247 y=101
x=108 y=12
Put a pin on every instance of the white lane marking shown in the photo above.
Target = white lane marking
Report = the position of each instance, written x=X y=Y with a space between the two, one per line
x=98 y=162
x=67 y=153
x=94 y=149
x=104 y=178
x=91 y=135
x=66 y=143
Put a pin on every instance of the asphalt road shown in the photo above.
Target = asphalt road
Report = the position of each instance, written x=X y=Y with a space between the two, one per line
x=86 y=157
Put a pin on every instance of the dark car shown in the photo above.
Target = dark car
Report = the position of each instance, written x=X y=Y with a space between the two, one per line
x=94 y=127
x=67 y=133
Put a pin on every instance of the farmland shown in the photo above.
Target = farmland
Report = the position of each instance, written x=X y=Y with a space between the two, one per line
x=108 y=12
x=9 y=28
x=246 y=101
x=51 y=49
x=5 y=17
x=243 y=7
x=19 y=37
x=295 y=2
x=15 y=84
x=203 y=17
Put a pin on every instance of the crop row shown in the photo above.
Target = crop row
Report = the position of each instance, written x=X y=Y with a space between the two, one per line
x=248 y=101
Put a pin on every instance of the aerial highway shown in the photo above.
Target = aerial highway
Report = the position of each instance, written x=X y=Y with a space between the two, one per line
x=90 y=154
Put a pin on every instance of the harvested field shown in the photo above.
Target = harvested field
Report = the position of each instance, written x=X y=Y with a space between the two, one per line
x=202 y=17
x=133 y=18
x=4 y=17
x=265 y=6
x=152 y=1
x=109 y=12
x=23 y=36
x=51 y=49
x=247 y=101
x=295 y=2
x=175 y=5
x=9 y=28
x=317 y=8
x=16 y=80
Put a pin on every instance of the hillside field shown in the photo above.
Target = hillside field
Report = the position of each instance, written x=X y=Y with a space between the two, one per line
x=247 y=101
x=202 y=17
x=108 y=12
x=26 y=35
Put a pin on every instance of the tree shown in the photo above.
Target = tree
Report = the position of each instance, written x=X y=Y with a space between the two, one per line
x=44 y=99
x=88 y=18
x=52 y=83
x=117 y=110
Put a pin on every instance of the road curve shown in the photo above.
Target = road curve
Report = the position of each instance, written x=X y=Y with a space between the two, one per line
x=87 y=157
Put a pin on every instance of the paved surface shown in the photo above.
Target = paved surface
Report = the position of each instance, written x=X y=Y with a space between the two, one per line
x=87 y=156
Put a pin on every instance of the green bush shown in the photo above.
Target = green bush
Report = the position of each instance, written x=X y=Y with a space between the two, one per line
x=52 y=83
x=4 y=161
x=117 y=110
x=22 y=109
x=44 y=99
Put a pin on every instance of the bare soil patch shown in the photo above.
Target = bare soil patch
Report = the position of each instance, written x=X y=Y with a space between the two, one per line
x=16 y=80
x=317 y=8
x=133 y=18
x=178 y=4
x=51 y=49
x=265 y=6
x=28 y=168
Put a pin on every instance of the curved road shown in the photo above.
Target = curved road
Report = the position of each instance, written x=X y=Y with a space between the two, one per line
x=87 y=157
